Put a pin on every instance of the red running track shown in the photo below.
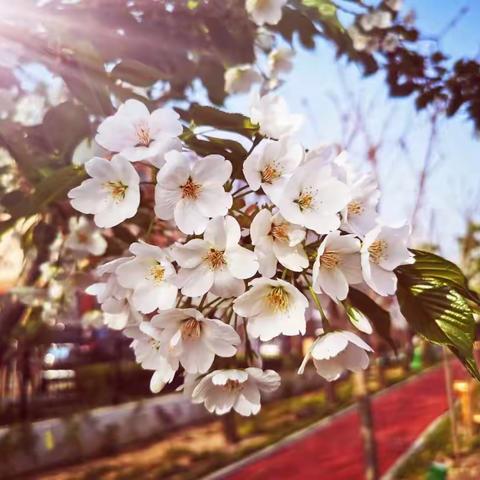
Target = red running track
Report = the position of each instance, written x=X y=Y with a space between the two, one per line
x=334 y=452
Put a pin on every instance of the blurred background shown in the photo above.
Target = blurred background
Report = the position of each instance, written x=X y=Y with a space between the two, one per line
x=403 y=98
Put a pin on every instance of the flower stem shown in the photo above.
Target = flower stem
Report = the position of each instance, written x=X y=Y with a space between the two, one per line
x=316 y=300
x=248 y=192
x=202 y=301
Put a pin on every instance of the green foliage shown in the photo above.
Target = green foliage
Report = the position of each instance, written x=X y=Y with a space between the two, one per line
x=433 y=296
x=53 y=186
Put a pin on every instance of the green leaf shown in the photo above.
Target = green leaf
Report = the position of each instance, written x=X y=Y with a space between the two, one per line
x=324 y=7
x=213 y=117
x=51 y=188
x=379 y=317
x=230 y=149
x=432 y=301
x=432 y=268
x=137 y=73
x=62 y=141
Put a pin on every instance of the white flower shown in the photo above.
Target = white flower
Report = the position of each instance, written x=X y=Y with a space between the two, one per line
x=149 y=354
x=217 y=263
x=359 y=40
x=190 y=190
x=30 y=109
x=193 y=339
x=360 y=215
x=151 y=276
x=390 y=42
x=384 y=249
x=272 y=307
x=337 y=351
x=114 y=300
x=137 y=134
x=222 y=390
x=395 y=5
x=241 y=78
x=112 y=194
x=276 y=239
x=110 y=288
x=271 y=164
x=57 y=91
x=86 y=150
x=84 y=237
x=313 y=197
x=265 y=11
x=280 y=61
x=377 y=19
x=271 y=113
x=337 y=265
x=119 y=313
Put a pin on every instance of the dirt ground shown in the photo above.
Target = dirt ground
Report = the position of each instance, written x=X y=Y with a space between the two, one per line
x=147 y=456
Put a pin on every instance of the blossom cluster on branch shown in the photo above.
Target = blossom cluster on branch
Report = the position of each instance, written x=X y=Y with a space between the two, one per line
x=250 y=255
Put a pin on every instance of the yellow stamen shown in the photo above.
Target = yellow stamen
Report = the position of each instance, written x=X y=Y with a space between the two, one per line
x=305 y=200
x=157 y=273
x=278 y=299
x=269 y=174
x=329 y=260
x=215 y=259
x=190 y=189
x=378 y=250
x=117 y=189
x=143 y=135
x=155 y=343
x=280 y=232
x=355 y=208
x=191 y=328
x=82 y=237
x=233 y=385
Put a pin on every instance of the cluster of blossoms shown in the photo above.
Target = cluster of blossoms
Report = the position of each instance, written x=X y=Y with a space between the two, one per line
x=372 y=32
x=279 y=59
x=251 y=254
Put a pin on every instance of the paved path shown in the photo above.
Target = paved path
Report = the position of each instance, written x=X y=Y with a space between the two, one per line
x=334 y=452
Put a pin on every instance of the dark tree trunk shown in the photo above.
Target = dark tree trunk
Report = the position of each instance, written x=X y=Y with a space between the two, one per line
x=367 y=427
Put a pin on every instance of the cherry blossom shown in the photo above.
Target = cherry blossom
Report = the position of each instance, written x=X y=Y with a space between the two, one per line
x=384 y=249
x=148 y=353
x=222 y=390
x=241 y=78
x=217 y=263
x=151 y=276
x=335 y=352
x=112 y=193
x=265 y=11
x=280 y=61
x=337 y=265
x=271 y=113
x=137 y=134
x=84 y=237
x=275 y=239
x=221 y=232
x=193 y=339
x=271 y=164
x=272 y=307
x=109 y=288
x=190 y=190
x=313 y=197
x=360 y=214
x=120 y=313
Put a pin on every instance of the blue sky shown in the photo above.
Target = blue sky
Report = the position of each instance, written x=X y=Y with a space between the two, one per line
x=453 y=186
